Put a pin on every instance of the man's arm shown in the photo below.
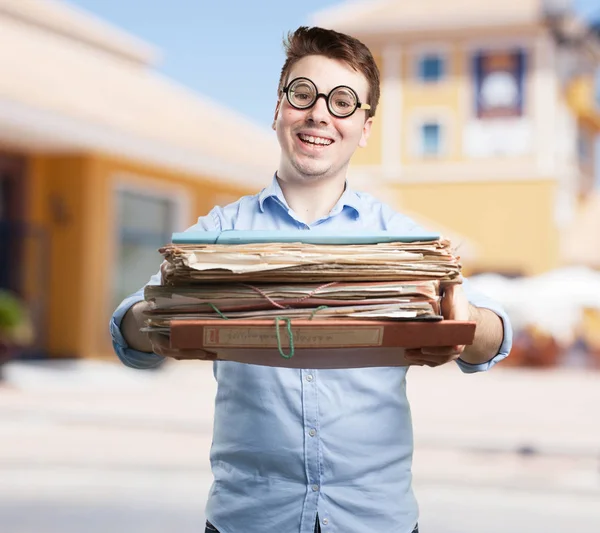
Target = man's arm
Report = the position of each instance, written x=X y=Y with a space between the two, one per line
x=124 y=329
x=493 y=334
x=132 y=323
x=489 y=334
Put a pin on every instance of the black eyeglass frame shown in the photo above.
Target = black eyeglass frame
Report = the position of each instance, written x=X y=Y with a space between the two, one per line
x=359 y=104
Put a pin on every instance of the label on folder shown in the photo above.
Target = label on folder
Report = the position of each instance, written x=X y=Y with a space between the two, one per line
x=266 y=337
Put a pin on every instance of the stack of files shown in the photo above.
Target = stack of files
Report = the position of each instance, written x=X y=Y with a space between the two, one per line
x=294 y=298
x=306 y=263
x=388 y=299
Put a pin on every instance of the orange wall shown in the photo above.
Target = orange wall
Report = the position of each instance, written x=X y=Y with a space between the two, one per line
x=58 y=205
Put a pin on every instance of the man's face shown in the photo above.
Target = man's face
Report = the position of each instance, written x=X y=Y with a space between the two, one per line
x=314 y=143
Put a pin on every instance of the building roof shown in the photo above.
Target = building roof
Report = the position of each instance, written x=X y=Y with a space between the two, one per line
x=382 y=16
x=78 y=25
x=77 y=84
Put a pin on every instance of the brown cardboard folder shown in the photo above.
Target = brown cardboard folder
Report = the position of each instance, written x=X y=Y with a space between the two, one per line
x=316 y=343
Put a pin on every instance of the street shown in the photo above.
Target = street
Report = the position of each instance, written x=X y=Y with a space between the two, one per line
x=94 y=447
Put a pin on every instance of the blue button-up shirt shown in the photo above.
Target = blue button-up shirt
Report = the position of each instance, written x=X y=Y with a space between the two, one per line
x=288 y=443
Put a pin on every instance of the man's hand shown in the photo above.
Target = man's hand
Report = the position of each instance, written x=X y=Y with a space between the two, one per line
x=158 y=343
x=455 y=306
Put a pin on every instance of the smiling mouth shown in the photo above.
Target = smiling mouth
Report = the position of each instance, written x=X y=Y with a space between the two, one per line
x=314 y=141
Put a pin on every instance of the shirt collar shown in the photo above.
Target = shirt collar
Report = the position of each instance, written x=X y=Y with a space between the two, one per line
x=349 y=198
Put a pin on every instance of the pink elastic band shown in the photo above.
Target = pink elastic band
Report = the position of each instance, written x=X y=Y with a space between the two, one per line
x=299 y=300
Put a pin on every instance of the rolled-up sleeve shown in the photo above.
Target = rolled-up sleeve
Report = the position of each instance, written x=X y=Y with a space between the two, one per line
x=129 y=356
x=478 y=299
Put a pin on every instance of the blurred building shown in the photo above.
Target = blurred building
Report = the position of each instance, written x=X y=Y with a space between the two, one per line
x=487 y=123
x=101 y=158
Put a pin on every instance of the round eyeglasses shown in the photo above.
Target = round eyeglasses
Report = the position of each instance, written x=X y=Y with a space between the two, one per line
x=341 y=101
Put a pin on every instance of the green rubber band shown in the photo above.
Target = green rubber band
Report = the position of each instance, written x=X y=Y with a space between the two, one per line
x=215 y=309
x=312 y=315
x=289 y=332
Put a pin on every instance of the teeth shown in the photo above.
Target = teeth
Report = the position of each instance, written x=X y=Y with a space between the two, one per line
x=315 y=140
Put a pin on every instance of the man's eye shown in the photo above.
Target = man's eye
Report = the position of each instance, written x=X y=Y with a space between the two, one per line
x=342 y=103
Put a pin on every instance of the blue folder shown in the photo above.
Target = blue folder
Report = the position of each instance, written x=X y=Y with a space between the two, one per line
x=303 y=236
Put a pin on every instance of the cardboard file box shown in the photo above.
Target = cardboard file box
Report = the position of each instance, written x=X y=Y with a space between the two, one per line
x=334 y=343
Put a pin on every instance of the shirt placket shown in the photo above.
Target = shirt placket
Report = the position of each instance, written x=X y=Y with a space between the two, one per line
x=312 y=454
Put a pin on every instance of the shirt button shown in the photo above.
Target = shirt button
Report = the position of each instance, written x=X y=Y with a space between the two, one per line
x=315 y=488
x=325 y=521
x=312 y=432
x=309 y=377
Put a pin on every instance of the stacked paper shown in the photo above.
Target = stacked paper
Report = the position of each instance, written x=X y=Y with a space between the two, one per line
x=303 y=299
x=390 y=280
x=302 y=263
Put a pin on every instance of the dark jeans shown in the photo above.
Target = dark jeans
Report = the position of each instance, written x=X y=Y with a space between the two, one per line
x=211 y=529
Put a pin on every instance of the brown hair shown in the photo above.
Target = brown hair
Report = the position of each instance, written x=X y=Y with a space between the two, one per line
x=307 y=41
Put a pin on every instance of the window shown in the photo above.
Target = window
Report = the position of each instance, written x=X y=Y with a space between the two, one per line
x=431 y=139
x=145 y=223
x=431 y=68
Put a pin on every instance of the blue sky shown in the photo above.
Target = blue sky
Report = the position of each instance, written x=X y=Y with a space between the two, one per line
x=222 y=48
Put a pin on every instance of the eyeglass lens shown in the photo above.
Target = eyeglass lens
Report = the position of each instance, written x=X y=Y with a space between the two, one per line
x=303 y=94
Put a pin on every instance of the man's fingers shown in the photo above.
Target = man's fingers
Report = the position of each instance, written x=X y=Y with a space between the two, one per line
x=416 y=361
x=435 y=351
x=433 y=356
x=427 y=361
x=442 y=350
x=182 y=355
x=187 y=354
x=159 y=341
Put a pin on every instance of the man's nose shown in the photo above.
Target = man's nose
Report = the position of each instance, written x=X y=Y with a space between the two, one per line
x=319 y=112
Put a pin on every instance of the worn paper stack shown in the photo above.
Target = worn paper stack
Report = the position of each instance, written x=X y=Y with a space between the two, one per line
x=303 y=300
x=304 y=263
x=392 y=280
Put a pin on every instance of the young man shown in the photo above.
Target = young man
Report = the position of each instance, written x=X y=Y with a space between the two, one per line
x=297 y=451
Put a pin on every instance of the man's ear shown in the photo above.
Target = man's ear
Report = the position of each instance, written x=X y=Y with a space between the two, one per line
x=276 y=113
x=366 y=132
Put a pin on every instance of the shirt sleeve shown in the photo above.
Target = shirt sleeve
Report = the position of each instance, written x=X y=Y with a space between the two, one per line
x=129 y=356
x=478 y=299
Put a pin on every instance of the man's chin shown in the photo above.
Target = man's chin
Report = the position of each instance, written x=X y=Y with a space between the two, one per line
x=311 y=177
x=313 y=172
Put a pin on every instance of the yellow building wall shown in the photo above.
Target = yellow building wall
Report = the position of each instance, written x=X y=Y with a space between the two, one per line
x=74 y=200
x=445 y=99
x=510 y=223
